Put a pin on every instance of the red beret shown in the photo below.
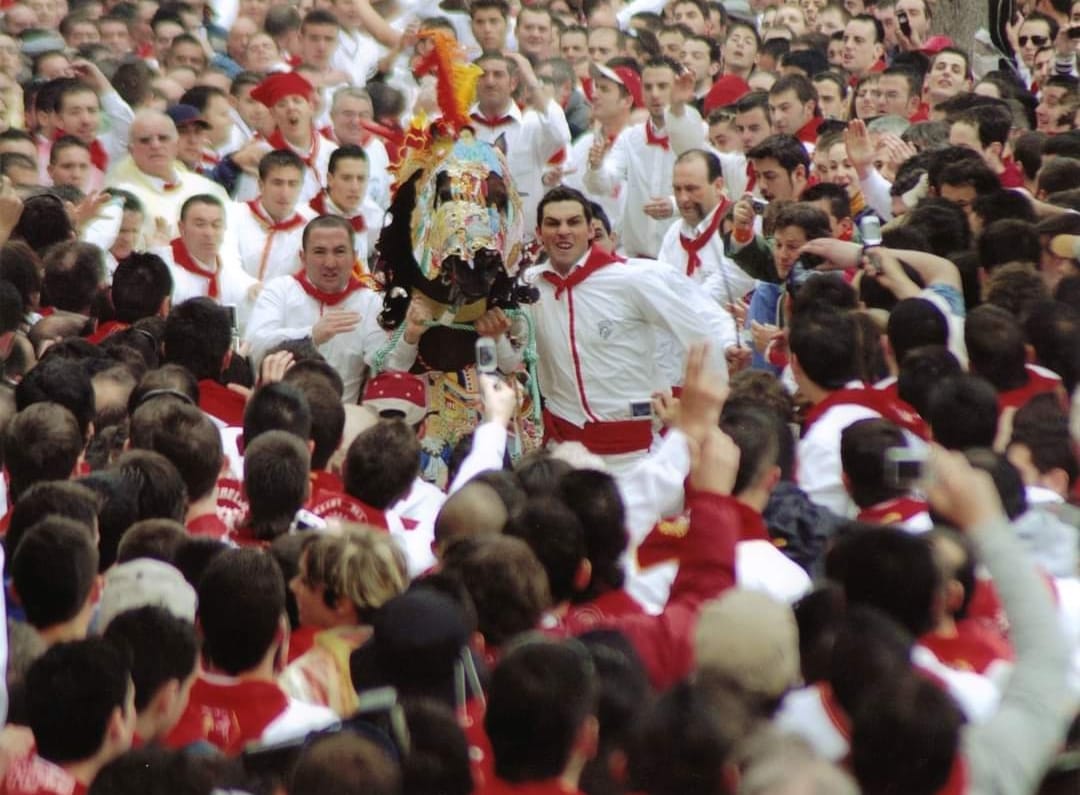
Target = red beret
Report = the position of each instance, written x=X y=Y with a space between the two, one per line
x=277 y=86
x=728 y=89
x=397 y=391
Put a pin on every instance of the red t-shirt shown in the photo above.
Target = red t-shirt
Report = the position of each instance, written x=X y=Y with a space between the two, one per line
x=33 y=775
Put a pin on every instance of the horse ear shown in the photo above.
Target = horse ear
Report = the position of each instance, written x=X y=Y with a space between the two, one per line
x=500 y=143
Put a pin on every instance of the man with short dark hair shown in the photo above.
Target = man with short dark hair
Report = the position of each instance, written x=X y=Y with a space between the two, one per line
x=72 y=746
x=198 y=336
x=325 y=302
x=236 y=700
x=141 y=288
x=868 y=478
x=346 y=194
x=864 y=45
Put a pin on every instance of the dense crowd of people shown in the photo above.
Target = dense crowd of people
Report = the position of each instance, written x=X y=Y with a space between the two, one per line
x=726 y=442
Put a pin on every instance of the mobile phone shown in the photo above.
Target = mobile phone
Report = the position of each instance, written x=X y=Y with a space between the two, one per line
x=870 y=231
x=903 y=23
x=904 y=467
x=760 y=205
x=487 y=359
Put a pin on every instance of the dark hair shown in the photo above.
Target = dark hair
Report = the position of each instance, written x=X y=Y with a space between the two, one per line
x=197 y=336
x=595 y=499
x=200 y=198
x=1008 y=240
x=199 y=97
x=563 y=194
x=74 y=271
x=499 y=5
x=328 y=222
x=170 y=380
x=914 y=322
x=921 y=370
x=344 y=763
x=1051 y=328
x=346 y=152
x=835 y=195
x=540 y=694
x=279 y=158
x=42 y=442
x=141 y=283
x=157 y=539
x=992 y=122
x=160 y=490
x=327 y=419
x=53 y=570
x=276 y=472
x=754 y=432
x=161 y=648
x=879 y=28
x=974 y=173
x=382 y=463
x=862 y=456
x=117 y=511
x=277 y=407
x=20 y=267
x=184 y=435
x=1043 y=427
x=907 y=739
x=786 y=150
x=1001 y=204
x=963 y=412
x=92 y=674
x=995 y=345
x=893 y=571
x=508 y=586
x=554 y=533
x=241 y=600
x=824 y=343
x=943 y=224
x=63 y=498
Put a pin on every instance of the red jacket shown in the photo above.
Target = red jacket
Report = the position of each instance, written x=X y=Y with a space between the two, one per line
x=706 y=569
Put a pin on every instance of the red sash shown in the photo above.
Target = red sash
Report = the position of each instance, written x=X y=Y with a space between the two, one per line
x=277 y=140
x=318 y=204
x=808 y=132
x=895 y=411
x=597 y=259
x=183 y=258
x=602 y=438
x=221 y=402
x=1037 y=384
x=652 y=139
x=892 y=511
x=694 y=246
x=324 y=298
x=107 y=329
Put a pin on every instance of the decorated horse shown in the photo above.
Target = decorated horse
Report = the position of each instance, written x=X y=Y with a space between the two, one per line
x=453 y=243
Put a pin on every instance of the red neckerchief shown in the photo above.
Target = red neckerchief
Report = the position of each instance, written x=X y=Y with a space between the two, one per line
x=98 y=156
x=893 y=511
x=808 y=132
x=324 y=298
x=219 y=401
x=597 y=259
x=318 y=204
x=587 y=88
x=183 y=258
x=751 y=176
x=277 y=140
x=210 y=158
x=491 y=121
x=896 y=411
x=652 y=139
x=269 y=223
x=228 y=715
x=751 y=523
x=693 y=247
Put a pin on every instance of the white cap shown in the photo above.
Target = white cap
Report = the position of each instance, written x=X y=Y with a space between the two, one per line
x=141 y=583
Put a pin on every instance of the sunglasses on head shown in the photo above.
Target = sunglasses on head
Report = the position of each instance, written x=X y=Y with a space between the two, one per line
x=1038 y=41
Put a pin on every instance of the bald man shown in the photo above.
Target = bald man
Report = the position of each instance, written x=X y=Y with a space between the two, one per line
x=152 y=172
x=473 y=510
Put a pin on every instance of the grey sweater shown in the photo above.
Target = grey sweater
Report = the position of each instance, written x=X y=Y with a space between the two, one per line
x=1009 y=754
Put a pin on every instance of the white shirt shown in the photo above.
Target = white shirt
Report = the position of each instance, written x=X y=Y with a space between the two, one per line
x=818 y=459
x=577 y=163
x=284 y=311
x=597 y=342
x=265 y=254
x=357 y=55
x=247 y=185
x=158 y=202
x=233 y=281
x=363 y=242
x=532 y=138
x=379 y=176
x=718 y=275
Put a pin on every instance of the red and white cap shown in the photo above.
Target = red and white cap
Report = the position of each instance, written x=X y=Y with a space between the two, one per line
x=398 y=392
x=622 y=76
